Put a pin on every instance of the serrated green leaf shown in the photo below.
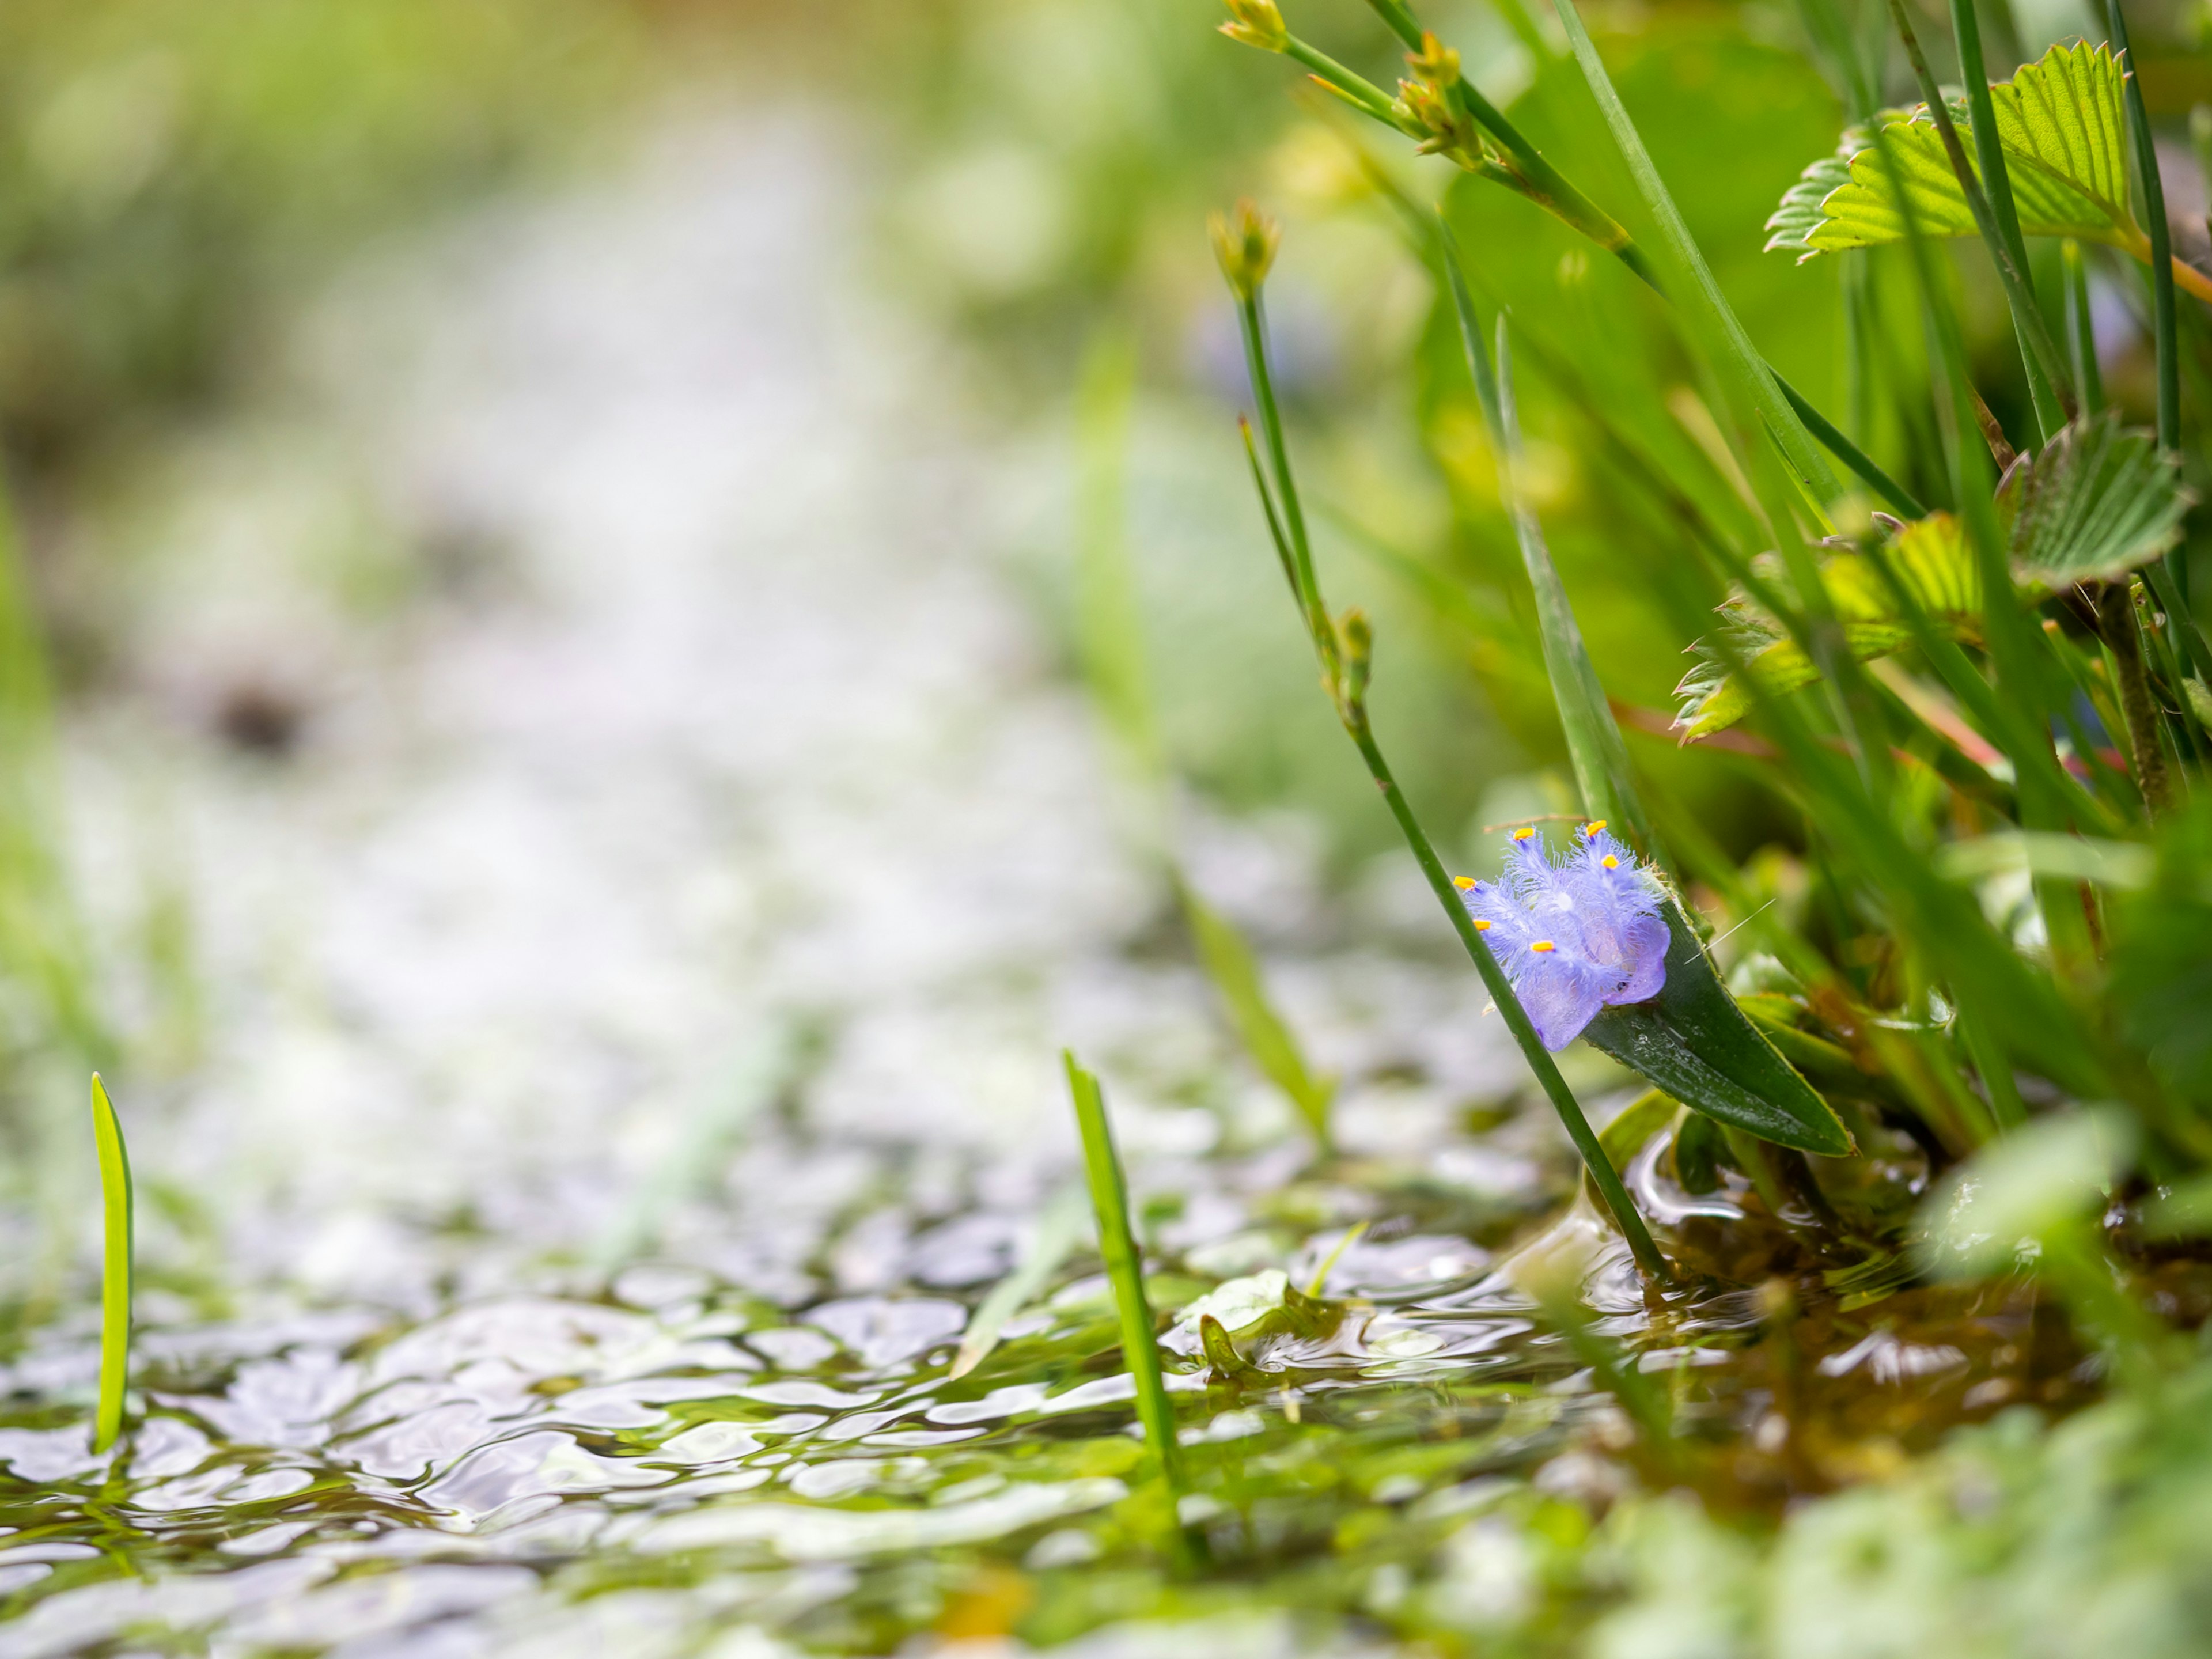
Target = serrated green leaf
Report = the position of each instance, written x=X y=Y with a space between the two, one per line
x=2061 y=122
x=1930 y=559
x=1695 y=1043
x=2098 y=502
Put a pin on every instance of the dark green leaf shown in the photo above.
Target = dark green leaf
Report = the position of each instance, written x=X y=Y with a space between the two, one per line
x=1695 y=1043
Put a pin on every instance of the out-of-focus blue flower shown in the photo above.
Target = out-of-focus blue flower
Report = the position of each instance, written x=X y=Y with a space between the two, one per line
x=1573 y=936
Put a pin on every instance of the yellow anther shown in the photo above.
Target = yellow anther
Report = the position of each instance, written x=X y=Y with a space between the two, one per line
x=1593 y=826
x=1543 y=944
x=1523 y=834
x=1480 y=926
x=1610 y=862
x=1462 y=882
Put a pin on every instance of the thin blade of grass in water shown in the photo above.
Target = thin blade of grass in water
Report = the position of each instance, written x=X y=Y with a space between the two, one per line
x=117 y=1239
x=1117 y=1244
x=1110 y=636
x=752 y=1080
x=1234 y=968
x=1052 y=1236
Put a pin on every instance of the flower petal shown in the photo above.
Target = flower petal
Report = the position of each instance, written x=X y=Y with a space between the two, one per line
x=1562 y=992
x=1646 y=957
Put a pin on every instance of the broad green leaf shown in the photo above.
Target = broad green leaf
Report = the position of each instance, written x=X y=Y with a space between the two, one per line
x=2098 y=502
x=1930 y=559
x=2063 y=123
x=1695 y=1043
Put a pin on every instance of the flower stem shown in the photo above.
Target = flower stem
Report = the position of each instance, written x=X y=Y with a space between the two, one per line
x=1602 y=1172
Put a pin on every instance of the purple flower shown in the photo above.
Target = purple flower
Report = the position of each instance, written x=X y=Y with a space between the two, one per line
x=1573 y=936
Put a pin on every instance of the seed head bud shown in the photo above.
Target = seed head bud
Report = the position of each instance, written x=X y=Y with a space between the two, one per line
x=1427 y=113
x=1256 y=24
x=1244 y=242
x=1435 y=63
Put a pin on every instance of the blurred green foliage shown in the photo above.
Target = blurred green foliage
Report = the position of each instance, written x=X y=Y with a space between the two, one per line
x=170 y=169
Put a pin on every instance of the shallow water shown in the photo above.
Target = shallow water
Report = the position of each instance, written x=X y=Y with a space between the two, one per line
x=622 y=1050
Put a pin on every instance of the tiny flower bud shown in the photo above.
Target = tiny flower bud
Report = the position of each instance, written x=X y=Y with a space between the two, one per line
x=1244 y=242
x=1435 y=63
x=1256 y=24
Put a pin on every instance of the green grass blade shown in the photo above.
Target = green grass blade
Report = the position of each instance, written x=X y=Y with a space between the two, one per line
x=1741 y=362
x=1231 y=964
x=744 y=1086
x=1109 y=629
x=1052 y=1238
x=1109 y=625
x=115 y=1274
x=2153 y=204
x=1594 y=745
x=2045 y=369
x=1117 y=1244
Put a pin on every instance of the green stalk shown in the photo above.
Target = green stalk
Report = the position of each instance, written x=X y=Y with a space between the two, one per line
x=2173 y=589
x=2037 y=349
x=1894 y=494
x=2163 y=321
x=1117 y=1244
x=1593 y=743
x=119 y=1211
x=2116 y=618
x=2080 y=338
x=1989 y=151
x=1530 y=175
x=1345 y=659
x=1540 y=181
x=1740 y=359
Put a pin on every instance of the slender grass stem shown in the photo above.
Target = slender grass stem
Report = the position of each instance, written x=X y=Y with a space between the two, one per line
x=119 y=1211
x=2037 y=349
x=1740 y=361
x=2116 y=617
x=1117 y=1245
x=1593 y=743
x=2163 y=321
x=1344 y=659
x=1892 y=494
x=1988 y=151
x=2081 y=339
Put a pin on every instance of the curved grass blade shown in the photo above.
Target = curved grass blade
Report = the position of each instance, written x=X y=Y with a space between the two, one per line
x=117 y=1239
x=1693 y=1041
x=1052 y=1237
x=1231 y=964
